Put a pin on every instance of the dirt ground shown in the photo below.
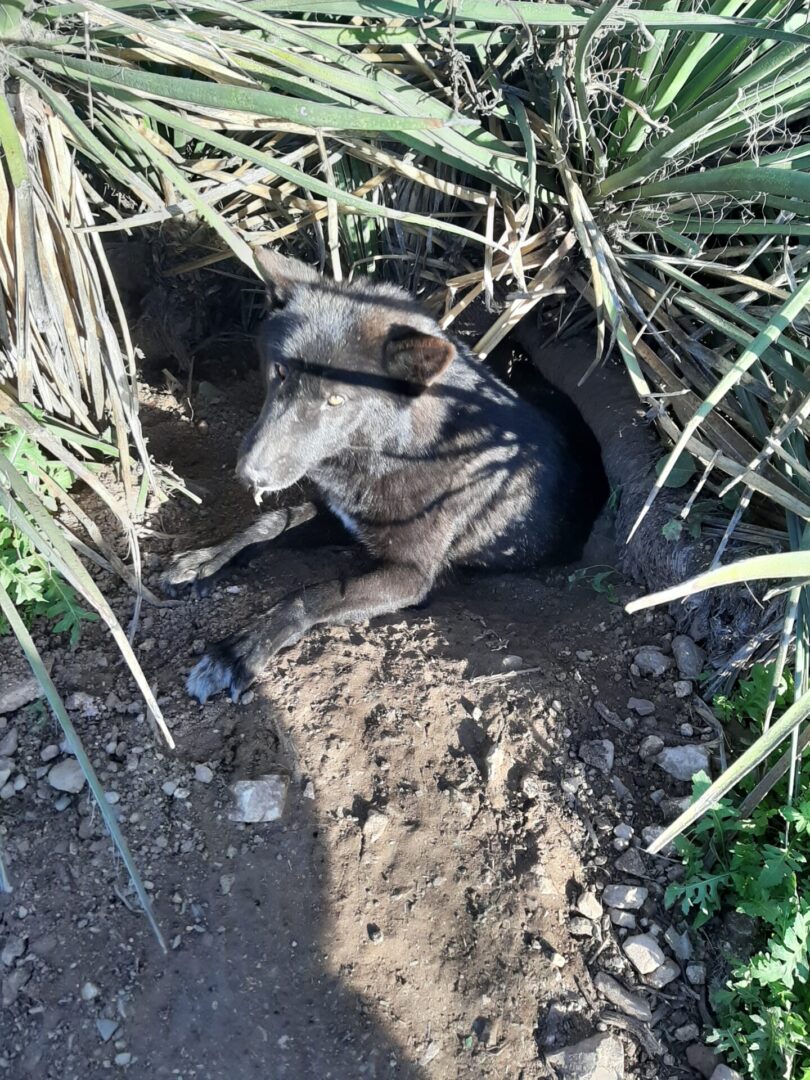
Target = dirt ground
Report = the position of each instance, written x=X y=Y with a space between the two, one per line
x=413 y=912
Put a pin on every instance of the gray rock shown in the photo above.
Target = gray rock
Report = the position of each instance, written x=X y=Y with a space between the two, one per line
x=124 y=1058
x=7 y=791
x=512 y=663
x=84 y=703
x=375 y=825
x=625 y=919
x=631 y=1004
x=687 y=1032
x=650 y=747
x=589 y=905
x=651 y=661
x=599 y=1058
x=689 y=657
x=703 y=1059
x=624 y=897
x=696 y=973
x=89 y=991
x=679 y=943
x=650 y=833
x=67 y=776
x=683 y=762
x=644 y=953
x=202 y=774
x=259 y=800
x=641 y=706
x=6 y=769
x=623 y=831
x=13 y=949
x=682 y=688
x=106 y=1028
x=13 y=983
x=723 y=1072
x=49 y=752
x=663 y=975
x=8 y=744
x=19 y=692
x=631 y=862
x=580 y=926
x=598 y=753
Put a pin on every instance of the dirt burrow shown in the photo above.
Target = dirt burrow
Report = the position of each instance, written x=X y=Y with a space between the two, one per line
x=458 y=776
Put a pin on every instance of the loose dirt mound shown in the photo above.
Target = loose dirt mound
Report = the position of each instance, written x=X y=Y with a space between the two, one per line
x=413 y=914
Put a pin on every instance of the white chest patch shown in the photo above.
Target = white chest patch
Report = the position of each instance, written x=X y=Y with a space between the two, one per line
x=346 y=519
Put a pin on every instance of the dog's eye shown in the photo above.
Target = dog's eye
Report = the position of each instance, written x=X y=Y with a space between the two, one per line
x=281 y=372
x=335 y=399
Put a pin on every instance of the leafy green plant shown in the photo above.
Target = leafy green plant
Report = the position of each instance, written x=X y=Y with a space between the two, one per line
x=749 y=702
x=756 y=866
x=598 y=579
x=33 y=584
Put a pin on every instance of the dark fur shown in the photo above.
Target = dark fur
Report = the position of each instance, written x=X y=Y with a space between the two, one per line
x=426 y=456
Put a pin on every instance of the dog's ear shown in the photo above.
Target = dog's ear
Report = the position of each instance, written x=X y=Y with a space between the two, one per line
x=415 y=358
x=281 y=274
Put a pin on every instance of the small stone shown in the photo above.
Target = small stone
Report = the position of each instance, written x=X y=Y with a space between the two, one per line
x=632 y=862
x=625 y=919
x=531 y=786
x=13 y=949
x=375 y=934
x=687 y=1032
x=624 y=897
x=651 y=661
x=683 y=762
x=682 y=688
x=598 y=753
x=641 y=706
x=672 y=808
x=623 y=832
x=650 y=747
x=584 y=655
x=650 y=833
x=62 y=803
x=679 y=943
x=7 y=791
x=375 y=825
x=512 y=663
x=202 y=774
x=723 y=1072
x=49 y=752
x=689 y=657
x=13 y=983
x=589 y=905
x=169 y=787
x=309 y=790
x=663 y=975
x=644 y=953
x=631 y=1004
x=226 y=883
x=8 y=744
x=580 y=927
x=89 y=991
x=601 y=1057
x=6 y=769
x=259 y=800
x=67 y=776
x=247 y=698
x=702 y=1059
x=123 y=1058
x=181 y=793
x=106 y=1028
x=112 y=797
x=84 y=703
x=696 y=973
x=19 y=692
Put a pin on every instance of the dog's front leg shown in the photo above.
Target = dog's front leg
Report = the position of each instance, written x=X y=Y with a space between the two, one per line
x=200 y=569
x=234 y=663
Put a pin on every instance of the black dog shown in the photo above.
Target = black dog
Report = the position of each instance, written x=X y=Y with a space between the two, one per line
x=423 y=454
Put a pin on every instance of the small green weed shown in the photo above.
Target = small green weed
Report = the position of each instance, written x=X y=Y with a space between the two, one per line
x=598 y=579
x=756 y=867
x=34 y=585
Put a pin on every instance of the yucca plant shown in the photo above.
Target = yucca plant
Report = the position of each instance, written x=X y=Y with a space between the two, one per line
x=649 y=157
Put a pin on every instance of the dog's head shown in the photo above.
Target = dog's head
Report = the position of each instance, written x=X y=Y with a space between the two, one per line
x=342 y=365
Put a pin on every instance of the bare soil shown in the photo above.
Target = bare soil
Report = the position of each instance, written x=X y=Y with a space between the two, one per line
x=412 y=914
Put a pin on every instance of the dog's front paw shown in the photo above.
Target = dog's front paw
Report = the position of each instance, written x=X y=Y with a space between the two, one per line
x=195 y=570
x=224 y=666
